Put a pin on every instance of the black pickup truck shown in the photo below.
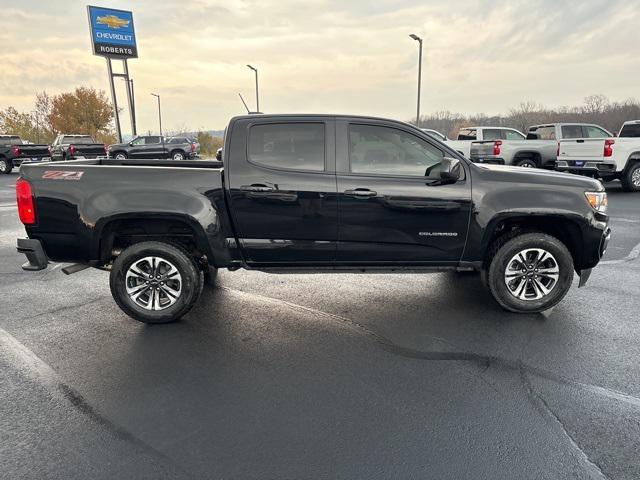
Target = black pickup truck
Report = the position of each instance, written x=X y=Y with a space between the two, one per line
x=14 y=152
x=313 y=193
x=71 y=147
x=154 y=146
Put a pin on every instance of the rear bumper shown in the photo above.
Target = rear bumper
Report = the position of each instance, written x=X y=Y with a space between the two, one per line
x=487 y=159
x=586 y=167
x=36 y=257
x=24 y=161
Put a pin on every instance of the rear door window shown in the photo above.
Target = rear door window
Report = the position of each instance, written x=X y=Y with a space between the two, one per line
x=511 y=135
x=291 y=146
x=572 y=131
x=595 y=132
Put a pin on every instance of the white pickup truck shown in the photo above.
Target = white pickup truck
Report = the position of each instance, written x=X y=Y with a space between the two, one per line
x=469 y=135
x=605 y=158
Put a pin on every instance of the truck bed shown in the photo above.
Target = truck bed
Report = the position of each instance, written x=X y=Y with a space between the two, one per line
x=143 y=162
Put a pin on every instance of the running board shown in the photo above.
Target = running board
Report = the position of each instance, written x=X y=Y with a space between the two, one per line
x=75 y=268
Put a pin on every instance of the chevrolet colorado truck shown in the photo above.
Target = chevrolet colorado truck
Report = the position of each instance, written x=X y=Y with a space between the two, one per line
x=538 y=150
x=71 y=147
x=312 y=193
x=14 y=152
x=606 y=158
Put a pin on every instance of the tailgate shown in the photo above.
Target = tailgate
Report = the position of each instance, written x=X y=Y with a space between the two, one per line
x=32 y=151
x=89 y=150
x=582 y=148
x=482 y=148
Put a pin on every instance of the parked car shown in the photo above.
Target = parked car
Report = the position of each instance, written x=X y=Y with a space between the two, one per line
x=539 y=150
x=313 y=193
x=14 y=152
x=468 y=135
x=605 y=158
x=72 y=147
x=155 y=146
x=435 y=134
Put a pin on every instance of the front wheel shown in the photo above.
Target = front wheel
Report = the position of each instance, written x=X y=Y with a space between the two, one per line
x=631 y=178
x=121 y=156
x=155 y=282
x=5 y=166
x=530 y=273
x=177 y=155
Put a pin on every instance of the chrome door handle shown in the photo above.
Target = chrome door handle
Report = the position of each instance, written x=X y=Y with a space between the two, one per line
x=256 y=188
x=361 y=192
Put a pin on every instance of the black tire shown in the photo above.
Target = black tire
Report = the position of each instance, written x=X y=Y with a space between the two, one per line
x=190 y=284
x=631 y=178
x=526 y=162
x=178 y=155
x=120 y=155
x=5 y=166
x=503 y=253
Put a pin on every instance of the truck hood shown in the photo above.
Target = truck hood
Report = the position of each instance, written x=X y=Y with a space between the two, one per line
x=538 y=176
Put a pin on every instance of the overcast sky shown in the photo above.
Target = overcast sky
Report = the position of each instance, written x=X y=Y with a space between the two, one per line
x=330 y=56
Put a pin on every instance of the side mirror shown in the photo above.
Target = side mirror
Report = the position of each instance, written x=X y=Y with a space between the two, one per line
x=219 y=155
x=450 y=170
x=131 y=144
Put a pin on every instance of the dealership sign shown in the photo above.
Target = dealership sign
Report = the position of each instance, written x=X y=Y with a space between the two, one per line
x=112 y=32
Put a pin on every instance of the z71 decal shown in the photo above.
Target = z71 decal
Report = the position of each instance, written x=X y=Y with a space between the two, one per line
x=62 y=175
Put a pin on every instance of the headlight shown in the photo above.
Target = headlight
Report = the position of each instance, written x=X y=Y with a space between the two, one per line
x=598 y=201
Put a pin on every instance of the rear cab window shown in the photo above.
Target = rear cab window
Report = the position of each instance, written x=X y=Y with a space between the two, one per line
x=631 y=130
x=289 y=146
x=77 y=139
x=572 y=131
x=467 y=134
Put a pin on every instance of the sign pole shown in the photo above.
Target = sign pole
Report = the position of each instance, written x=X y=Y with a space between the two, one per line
x=115 y=100
x=132 y=110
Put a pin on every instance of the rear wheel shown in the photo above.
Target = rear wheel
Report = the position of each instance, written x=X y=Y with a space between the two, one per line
x=154 y=282
x=526 y=163
x=631 y=178
x=5 y=166
x=530 y=273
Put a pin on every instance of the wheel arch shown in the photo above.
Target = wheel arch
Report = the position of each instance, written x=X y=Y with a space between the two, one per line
x=565 y=229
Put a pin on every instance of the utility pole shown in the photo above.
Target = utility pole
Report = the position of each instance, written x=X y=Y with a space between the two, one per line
x=419 y=40
x=255 y=70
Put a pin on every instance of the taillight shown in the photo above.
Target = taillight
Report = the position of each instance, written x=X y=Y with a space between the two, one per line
x=496 y=147
x=24 y=195
x=50 y=151
x=15 y=151
x=72 y=150
x=558 y=151
x=193 y=147
x=608 y=147
x=105 y=149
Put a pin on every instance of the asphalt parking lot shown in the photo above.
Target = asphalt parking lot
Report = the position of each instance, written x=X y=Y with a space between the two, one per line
x=321 y=376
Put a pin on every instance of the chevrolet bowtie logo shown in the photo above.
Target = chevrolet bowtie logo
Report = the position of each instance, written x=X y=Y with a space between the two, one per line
x=111 y=21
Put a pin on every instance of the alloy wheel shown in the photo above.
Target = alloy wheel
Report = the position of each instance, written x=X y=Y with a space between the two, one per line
x=531 y=274
x=153 y=283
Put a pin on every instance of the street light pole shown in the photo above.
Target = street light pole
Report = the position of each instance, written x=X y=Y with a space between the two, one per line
x=419 y=40
x=255 y=70
x=159 y=112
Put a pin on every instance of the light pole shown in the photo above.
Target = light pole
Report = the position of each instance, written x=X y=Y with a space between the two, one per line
x=255 y=70
x=159 y=112
x=419 y=40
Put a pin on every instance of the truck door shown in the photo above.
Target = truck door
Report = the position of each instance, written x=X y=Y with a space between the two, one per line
x=282 y=189
x=391 y=207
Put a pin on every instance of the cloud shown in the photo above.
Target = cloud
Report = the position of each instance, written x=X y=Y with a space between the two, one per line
x=330 y=55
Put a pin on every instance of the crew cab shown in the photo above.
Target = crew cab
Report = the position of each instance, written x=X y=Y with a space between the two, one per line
x=605 y=158
x=312 y=193
x=155 y=146
x=14 y=152
x=71 y=147
x=538 y=150
x=467 y=136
